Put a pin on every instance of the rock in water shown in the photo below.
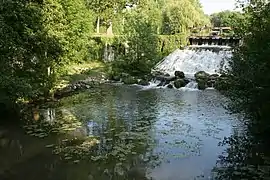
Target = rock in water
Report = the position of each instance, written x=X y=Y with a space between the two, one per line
x=186 y=81
x=210 y=83
x=130 y=80
x=222 y=83
x=167 y=75
x=213 y=76
x=170 y=86
x=179 y=74
x=201 y=84
x=179 y=83
x=201 y=75
x=143 y=83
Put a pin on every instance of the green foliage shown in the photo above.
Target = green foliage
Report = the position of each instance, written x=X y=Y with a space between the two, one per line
x=78 y=29
x=39 y=38
x=150 y=9
x=168 y=43
x=36 y=38
x=178 y=16
x=106 y=8
x=250 y=66
x=27 y=50
x=236 y=20
x=141 y=53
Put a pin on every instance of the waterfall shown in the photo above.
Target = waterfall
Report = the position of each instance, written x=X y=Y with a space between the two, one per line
x=211 y=59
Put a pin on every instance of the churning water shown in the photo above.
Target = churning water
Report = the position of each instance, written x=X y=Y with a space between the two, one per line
x=211 y=59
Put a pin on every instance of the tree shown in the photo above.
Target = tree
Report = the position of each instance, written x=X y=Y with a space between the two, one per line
x=36 y=39
x=250 y=66
x=178 y=16
x=228 y=19
x=78 y=30
x=141 y=53
x=105 y=9
x=27 y=50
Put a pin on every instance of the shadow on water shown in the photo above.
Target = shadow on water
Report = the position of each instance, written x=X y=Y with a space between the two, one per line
x=92 y=135
x=247 y=155
x=121 y=132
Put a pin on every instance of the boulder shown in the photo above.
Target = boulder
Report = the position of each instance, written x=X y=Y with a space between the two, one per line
x=129 y=80
x=157 y=73
x=143 y=82
x=165 y=79
x=223 y=75
x=116 y=78
x=170 y=78
x=160 y=84
x=186 y=81
x=167 y=75
x=166 y=82
x=148 y=77
x=170 y=86
x=201 y=75
x=201 y=84
x=222 y=84
x=210 y=83
x=160 y=78
x=179 y=74
x=179 y=83
x=213 y=76
x=125 y=75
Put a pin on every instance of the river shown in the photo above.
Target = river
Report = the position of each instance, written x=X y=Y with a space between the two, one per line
x=121 y=132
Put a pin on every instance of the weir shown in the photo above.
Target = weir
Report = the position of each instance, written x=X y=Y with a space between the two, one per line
x=214 y=40
x=211 y=59
x=210 y=54
x=221 y=36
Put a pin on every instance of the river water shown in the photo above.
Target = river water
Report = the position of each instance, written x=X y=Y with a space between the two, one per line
x=120 y=132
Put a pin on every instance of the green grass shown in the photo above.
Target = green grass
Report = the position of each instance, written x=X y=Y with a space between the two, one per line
x=76 y=72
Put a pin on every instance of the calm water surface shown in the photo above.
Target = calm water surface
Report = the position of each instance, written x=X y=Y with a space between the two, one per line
x=120 y=132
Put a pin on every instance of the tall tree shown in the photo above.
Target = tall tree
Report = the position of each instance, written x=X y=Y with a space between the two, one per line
x=36 y=38
x=227 y=18
x=141 y=54
x=178 y=16
x=27 y=50
x=250 y=66
x=105 y=9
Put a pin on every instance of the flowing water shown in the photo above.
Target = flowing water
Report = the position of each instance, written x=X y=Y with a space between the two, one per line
x=211 y=59
x=120 y=132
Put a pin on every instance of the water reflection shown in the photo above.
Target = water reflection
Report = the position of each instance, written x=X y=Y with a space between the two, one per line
x=247 y=155
x=123 y=132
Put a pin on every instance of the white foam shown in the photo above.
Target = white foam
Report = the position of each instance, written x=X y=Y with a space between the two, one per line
x=192 y=61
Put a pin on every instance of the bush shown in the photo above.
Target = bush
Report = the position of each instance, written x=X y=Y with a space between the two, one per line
x=141 y=54
x=250 y=65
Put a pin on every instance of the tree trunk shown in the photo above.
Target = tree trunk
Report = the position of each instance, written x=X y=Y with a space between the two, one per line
x=98 y=22
x=109 y=29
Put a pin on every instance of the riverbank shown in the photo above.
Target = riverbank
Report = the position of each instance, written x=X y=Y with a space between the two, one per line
x=80 y=76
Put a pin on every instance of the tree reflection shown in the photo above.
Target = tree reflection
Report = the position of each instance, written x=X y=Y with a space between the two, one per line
x=247 y=155
x=124 y=145
x=101 y=135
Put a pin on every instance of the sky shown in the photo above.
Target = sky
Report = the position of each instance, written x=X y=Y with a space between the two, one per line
x=213 y=6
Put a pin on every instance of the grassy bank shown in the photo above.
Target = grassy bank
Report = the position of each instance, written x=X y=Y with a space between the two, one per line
x=75 y=72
